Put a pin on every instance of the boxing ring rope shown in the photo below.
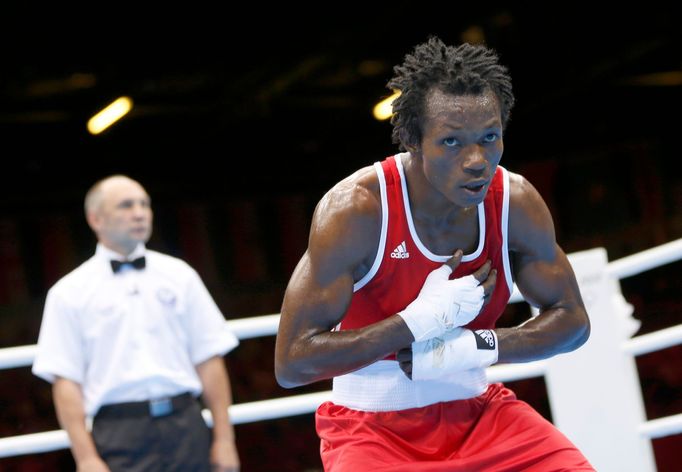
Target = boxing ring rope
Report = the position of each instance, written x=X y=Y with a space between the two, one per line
x=245 y=328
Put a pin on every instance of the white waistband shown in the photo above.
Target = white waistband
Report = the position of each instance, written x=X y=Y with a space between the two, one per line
x=382 y=386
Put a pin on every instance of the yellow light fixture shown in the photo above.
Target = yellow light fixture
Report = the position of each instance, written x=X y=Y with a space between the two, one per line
x=383 y=110
x=109 y=115
x=657 y=79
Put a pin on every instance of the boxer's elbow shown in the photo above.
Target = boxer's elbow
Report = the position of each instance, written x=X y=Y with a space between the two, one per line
x=586 y=330
x=289 y=372
x=580 y=331
x=286 y=375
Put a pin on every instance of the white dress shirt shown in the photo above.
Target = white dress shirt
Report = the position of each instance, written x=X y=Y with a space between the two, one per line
x=132 y=335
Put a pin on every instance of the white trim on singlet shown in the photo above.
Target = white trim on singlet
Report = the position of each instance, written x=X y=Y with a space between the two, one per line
x=384 y=231
x=424 y=250
x=505 y=230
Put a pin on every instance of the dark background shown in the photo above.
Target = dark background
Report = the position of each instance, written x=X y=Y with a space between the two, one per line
x=244 y=118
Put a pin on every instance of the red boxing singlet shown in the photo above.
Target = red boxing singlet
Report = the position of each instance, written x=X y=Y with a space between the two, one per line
x=403 y=262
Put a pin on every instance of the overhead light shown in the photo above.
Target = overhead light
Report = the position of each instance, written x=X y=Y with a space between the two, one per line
x=657 y=79
x=109 y=115
x=383 y=110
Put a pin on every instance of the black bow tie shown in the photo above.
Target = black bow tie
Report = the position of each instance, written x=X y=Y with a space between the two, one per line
x=138 y=264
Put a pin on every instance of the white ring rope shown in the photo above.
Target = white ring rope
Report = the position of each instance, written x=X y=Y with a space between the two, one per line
x=250 y=412
x=656 y=341
x=239 y=414
x=662 y=427
x=646 y=260
x=243 y=328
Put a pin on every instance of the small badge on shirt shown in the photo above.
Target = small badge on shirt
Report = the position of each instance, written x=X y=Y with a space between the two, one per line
x=166 y=296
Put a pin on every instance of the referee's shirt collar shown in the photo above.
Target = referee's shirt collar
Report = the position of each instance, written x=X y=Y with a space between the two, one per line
x=106 y=254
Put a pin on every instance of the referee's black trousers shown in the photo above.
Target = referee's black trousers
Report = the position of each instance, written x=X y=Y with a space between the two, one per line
x=129 y=438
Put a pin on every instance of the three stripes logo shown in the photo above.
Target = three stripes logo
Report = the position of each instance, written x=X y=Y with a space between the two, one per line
x=400 y=252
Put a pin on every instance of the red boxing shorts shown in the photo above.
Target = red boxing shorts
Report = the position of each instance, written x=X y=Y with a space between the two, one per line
x=491 y=432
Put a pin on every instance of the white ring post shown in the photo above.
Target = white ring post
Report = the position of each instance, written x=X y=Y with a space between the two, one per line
x=594 y=392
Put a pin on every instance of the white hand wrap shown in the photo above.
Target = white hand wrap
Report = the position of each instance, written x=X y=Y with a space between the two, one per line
x=443 y=304
x=458 y=350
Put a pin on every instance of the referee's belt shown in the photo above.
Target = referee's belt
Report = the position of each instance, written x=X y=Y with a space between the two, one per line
x=157 y=407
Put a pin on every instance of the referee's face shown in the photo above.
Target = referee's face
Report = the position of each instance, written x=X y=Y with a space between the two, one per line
x=125 y=216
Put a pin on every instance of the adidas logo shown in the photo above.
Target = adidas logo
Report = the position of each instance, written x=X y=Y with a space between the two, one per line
x=400 y=252
x=484 y=339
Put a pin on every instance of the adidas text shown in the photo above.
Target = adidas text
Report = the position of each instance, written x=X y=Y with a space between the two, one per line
x=400 y=252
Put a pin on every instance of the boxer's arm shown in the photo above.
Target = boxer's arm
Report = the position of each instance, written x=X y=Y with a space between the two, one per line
x=545 y=278
x=343 y=241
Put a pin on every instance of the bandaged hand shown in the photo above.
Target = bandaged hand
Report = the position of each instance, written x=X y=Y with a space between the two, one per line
x=455 y=351
x=444 y=304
